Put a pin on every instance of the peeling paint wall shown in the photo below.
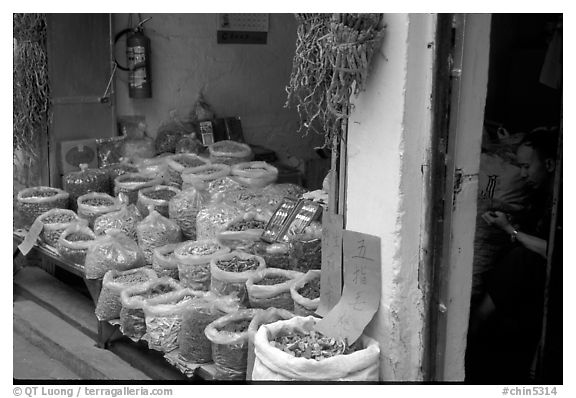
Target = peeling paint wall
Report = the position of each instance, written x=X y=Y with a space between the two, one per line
x=238 y=80
x=388 y=147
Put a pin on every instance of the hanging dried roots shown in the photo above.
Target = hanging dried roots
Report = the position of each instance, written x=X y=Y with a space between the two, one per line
x=331 y=61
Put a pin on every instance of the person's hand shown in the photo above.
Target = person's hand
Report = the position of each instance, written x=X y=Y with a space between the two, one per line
x=498 y=219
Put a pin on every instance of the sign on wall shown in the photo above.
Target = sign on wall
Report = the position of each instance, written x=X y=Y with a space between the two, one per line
x=242 y=28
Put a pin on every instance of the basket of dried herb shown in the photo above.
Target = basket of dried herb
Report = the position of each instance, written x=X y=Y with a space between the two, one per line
x=109 y=302
x=112 y=251
x=32 y=202
x=55 y=221
x=262 y=318
x=132 y=320
x=75 y=241
x=131 y=183
x=177 y=164
x=164 y=318
x=164 y=262
x=192 y=341
x=184 y=207
x=292 y=350
x=305 y=292
x=124 y=219
x=156 y=231
x=229 y=273
x=158 y=196
x=94 y=204
x=229 y=338
x=230 y=152
x=78 y=183
x=193 y=259
x=271 y=288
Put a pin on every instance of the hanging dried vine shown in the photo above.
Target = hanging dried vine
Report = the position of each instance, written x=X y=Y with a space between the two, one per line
x=331 y=62
x=31 y=91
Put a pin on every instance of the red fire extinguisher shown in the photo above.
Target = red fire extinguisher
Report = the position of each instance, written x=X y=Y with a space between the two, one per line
x=138 y=58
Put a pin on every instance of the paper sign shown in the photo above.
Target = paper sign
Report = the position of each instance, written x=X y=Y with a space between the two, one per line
x=331 y=277
x=31 y=237
x=361 y=294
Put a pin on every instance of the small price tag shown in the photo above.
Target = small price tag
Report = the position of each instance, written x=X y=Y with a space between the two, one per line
x=31 y=237
x=361 y=294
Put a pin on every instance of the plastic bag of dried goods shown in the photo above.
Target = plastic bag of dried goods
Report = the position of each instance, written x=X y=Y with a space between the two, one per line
x=213 y=218
x=177 y=164
x=276 y=192
x=131 y=183
x=156 y=231
x=305 y=292
x=192 y=341
x=206 y=174
x=305 y=251
x=164 y=262
x=110 y=150
x=95 y=204
x=229 y=338
x=78 y=183
x=193 y=259
x=276 y=346
x=170 y=132
x=276 y=255
x=117 y=169
x=74 y=242
x=32 y=202
x=112 y=251
x=189 y=144
x=248 y=200
x=262 y=318
x=54 y=222
x=164 y=319
x=158 y=197
x=124 y=219
x=184 y=208
x=109 y=303
x=132 y=321
x=230 y=152
x=229 y=273
x=138 y=148
x=243 y=232
x=255 y=174
x=155 y=166
x=271 y=288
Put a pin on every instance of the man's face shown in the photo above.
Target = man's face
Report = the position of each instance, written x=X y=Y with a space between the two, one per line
x=533 y=170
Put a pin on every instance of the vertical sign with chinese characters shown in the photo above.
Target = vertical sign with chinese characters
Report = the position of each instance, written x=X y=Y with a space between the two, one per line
x=331 y=277
x=361 y=294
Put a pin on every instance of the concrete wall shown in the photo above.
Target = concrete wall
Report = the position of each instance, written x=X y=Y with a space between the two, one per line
x=238 y=80
x=388 y=147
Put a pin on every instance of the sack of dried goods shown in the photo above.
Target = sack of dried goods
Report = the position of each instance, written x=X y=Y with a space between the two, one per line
x=205 y=175
x=95 y=204
x=229 y=273
x=124 y=219
x=164 y=262
x=157 y=196
x=257 y=174
x=248 y=200
x=155 y=166
x=292 y=350
x=230 y=152
x=306 y=250
x=214 y=218
x=54 y=222
x=164 y=318
x=193 y=259
x=109 y=303
x=276 y=255
x=262 y=318
x=276 y=192
x=112 y=251
x=131 y=183
x=189 y=144
x=305 y=292
x=156 y=231
x=74 y=242
x=229 y=338
x=184 y=208
x=33 y=201
x=271 y=288
x=117 y=169
x=138 y=148
x=110 y=150
x=78 y=183
x=177 y=164
x=243 y=232
x=192 y=341
x=132 y=320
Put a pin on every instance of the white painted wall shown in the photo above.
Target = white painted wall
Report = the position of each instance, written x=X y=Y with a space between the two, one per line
x=388 y=143
x=238 y=80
